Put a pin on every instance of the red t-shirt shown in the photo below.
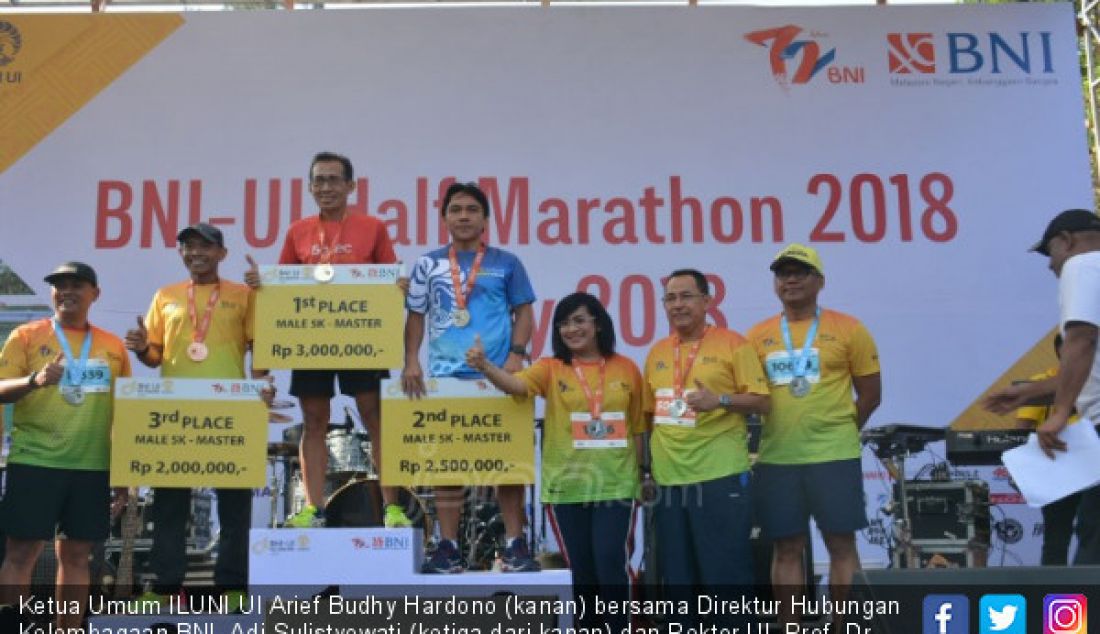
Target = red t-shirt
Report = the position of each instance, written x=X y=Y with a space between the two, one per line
x=361 y=240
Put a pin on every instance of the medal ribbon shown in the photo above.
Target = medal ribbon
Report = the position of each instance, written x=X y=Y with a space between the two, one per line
x=595 y=400
x=801 y=362
x=74 y=369
x=328 y=251
x=199 y=329
x=680 y=373
x=461 y=292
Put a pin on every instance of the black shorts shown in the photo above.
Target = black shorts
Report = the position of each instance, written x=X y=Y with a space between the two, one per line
x=320 y=382
x=787 y=495
x=44 y=502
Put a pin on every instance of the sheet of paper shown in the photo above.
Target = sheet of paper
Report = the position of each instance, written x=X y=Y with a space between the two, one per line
x=1042 y=480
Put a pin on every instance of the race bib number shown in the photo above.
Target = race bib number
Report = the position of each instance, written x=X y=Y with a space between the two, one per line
x=95 y=376
x=780 y=367
x=608 y=432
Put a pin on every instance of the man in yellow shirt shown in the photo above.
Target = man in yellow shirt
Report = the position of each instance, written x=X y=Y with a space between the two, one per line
x=199 y=328
x=809 y=463
x=700 y=383
x=60 y=374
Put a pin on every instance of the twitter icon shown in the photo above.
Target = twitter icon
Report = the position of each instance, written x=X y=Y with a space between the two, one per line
x=1002 y=614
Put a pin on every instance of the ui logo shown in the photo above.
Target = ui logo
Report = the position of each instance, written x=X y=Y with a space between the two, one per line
x=1065 y=614
x=946 y=614
x=1003 y=614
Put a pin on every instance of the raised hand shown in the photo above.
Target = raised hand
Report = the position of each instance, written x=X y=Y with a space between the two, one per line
x=137 y=339
x=475 y=356
x=702 y=399
x=252 y=275
x=52 y=373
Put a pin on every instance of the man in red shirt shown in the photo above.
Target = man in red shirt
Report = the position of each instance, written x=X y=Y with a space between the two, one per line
x=334 y=236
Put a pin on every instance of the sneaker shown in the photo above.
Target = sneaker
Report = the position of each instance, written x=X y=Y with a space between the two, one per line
x=395 y=517
x=308 y=517
x=445 y=559
x=517 y=557
x=234 y=601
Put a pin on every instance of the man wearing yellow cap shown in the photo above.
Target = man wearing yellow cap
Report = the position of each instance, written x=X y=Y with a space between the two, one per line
x=809 y=466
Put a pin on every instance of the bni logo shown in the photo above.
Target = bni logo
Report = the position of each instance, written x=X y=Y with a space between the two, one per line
x=797 y=60
x=946 y=614
x=911 y=53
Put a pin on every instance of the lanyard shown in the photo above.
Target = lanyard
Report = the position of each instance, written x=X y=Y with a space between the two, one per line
x=199 y=334
x=463 y=292
x=328 y=251
x=595 y=400
x=799 y=363
x=74 y=369
x=680 y=373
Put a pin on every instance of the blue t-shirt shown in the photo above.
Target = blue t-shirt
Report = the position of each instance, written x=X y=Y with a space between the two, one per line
x=501 y=285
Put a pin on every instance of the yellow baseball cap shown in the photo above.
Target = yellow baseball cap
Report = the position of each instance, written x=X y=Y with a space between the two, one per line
x=799 y=253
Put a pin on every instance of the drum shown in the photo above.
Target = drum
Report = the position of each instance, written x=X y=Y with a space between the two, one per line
x=349 y=452
x=358 y=503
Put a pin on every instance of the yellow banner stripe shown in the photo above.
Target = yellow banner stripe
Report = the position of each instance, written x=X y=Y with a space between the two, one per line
x=64 y=62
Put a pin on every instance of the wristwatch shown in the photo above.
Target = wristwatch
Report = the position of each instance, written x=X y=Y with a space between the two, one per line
x=518 y=349
x=725 y=401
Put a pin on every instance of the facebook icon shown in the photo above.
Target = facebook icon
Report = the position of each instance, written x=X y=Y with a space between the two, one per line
x=946 y=614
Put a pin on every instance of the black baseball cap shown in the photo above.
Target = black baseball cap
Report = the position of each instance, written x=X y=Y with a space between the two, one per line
x=207 y=232
x=78 y=270
x=1070 y=220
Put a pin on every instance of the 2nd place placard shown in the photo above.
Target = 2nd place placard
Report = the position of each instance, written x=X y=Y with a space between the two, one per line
x=462 y=433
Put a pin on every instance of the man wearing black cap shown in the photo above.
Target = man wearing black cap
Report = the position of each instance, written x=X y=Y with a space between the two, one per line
x=1072 y=244
x=199 y=328
x=59 y=372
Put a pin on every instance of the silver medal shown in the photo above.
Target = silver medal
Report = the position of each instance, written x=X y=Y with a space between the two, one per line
x=72 y=394
x=461 y=317
x=678 y=407
x=324 y=273
x=595 y=429
x=799 y=386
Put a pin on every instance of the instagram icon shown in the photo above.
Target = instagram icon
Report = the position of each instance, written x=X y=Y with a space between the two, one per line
x=1065 y=614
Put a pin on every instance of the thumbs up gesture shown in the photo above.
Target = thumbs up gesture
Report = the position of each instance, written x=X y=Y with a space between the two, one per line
x=52 y=373
x=475 y=356
x=701 y=399
x=252 y=275
x=137 y=339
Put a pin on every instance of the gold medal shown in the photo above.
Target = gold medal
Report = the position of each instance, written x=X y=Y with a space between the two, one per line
x=460 y=317
x=197 y=351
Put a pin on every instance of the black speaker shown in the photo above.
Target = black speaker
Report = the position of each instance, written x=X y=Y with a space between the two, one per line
x=892 y=601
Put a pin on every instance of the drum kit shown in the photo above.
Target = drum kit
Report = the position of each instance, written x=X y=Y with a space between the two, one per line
x=353 y=495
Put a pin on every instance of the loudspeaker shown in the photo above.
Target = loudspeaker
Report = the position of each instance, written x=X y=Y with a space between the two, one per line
x=901 y=593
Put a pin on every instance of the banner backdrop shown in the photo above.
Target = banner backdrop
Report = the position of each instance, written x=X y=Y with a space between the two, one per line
x=921 y=150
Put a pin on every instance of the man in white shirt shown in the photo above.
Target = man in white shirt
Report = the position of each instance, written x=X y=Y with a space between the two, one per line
x=1072 y=242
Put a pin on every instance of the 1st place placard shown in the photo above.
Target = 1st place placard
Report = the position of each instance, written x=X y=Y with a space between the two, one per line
x=331 y=317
